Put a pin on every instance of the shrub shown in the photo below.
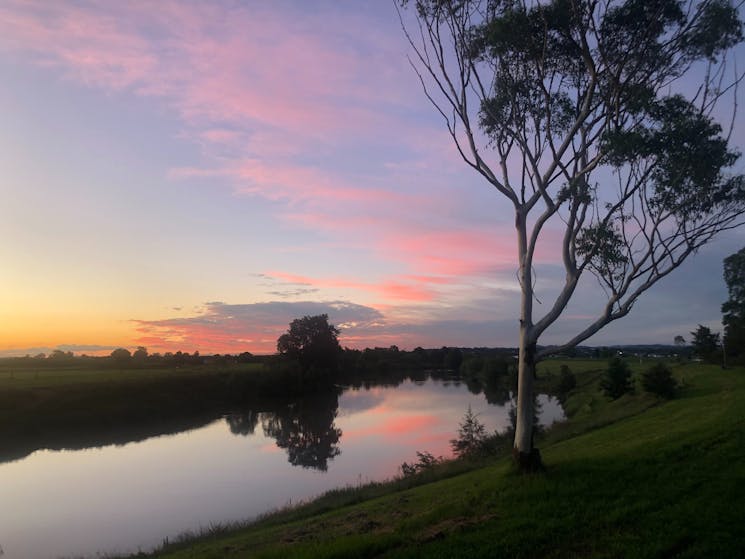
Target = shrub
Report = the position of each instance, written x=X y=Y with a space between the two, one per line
x=426 y=462
x=617 y=379
x=658 y=380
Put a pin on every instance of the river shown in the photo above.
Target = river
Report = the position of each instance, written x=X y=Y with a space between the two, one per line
x=126 y=498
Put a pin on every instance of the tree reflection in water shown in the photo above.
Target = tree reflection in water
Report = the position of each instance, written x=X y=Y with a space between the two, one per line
x=243 y=423
x=304 y=428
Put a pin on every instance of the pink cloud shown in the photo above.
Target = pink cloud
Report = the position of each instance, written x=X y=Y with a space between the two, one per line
x=415 y=291
x=277 y=107
x=263 y=69
x=260 y=69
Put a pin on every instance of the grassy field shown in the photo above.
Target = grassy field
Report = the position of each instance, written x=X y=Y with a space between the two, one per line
x=631 y=478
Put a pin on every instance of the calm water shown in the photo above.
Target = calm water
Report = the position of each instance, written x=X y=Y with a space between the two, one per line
x=127 y=498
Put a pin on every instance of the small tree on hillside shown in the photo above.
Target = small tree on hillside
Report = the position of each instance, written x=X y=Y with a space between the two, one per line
x=471 y=436
x=617 y=379
x=312 y=342
x=658 y=380
x=575 y=111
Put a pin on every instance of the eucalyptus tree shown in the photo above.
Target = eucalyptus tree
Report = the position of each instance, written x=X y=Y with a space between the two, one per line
x=596 y=119
x=733 y=310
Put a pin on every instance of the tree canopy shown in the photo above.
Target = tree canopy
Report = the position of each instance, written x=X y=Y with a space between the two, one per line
x=581 y=114
x=705 y=343
x=312 y=342
x=733 y=310
x=121 y=355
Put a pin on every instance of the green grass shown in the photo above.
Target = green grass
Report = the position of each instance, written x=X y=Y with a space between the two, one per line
x=632 y=478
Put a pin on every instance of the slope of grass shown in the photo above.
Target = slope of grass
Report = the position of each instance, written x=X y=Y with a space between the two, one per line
x=630 y=478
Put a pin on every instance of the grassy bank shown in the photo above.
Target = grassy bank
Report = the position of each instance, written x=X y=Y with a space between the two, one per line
x=630 y=478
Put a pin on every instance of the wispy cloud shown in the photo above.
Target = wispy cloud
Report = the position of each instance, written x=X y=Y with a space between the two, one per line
x=407 y=289
x=280 y=111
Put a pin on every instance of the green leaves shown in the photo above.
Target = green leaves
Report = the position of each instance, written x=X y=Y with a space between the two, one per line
x=705 y=343
x=716 y=29
x=733 y=310
x=685 y=154
x=603 y=246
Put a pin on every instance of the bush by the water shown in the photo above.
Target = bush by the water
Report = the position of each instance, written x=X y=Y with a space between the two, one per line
x=617 y=379
x=659 y=381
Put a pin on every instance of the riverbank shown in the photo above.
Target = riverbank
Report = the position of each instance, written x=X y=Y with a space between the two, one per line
x=629 y=478
x=75 y=407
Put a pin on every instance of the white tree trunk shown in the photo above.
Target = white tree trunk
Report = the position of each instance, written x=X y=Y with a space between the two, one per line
x=526 y=456
x=525 y=372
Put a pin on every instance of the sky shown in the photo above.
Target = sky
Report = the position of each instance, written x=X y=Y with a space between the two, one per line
x=187 y=175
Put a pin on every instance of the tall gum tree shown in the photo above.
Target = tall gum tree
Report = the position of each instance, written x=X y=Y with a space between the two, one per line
x=596 y=118
x=733 y=310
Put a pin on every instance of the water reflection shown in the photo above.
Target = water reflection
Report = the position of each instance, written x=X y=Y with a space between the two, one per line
x=122 y=498
x=305 y=429
x=243 y=423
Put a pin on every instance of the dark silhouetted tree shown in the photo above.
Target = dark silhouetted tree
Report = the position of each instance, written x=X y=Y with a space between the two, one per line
x=121 y=356
x=245 y=357
x=679 y=341
x=733 y=310
x=312 y=342
x=704 y=342
x=574 y=112
x=59 y=355
x=140 y=354
x=617 y=379
x=453 y=359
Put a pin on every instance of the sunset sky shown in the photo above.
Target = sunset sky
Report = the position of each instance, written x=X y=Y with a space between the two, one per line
x=194 y=175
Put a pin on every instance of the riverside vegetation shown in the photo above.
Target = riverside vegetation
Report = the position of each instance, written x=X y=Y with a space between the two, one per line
x=638 y=476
